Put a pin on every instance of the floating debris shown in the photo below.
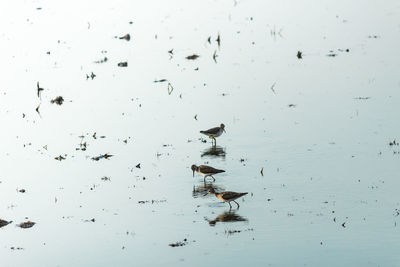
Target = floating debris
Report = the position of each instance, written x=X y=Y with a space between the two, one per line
x=104 y=156
x=105 y=59
x=192 y=57
x=58 y=100
x=123 y=64
x=393 y=143
x=373 y=36
x=37 y=110
x=262 y=171
x=152 y=201
x=170 y=88
x=92 y=76
x=105 y=178
x=362 y=98
x=179 y=243
x=4 y=223
x=209 y=39
x=16 y=248
x=82 y=146
x=272 y=88
x=138 y=166
x=331 y=54
x=291 y=105
x=195 y=117
x=218 y=41
x=22 y=190
x=126 y=37
x=160 y=81
x=215 y=56
x=95 y=136
x=39 y=90
x=27 y=224
x=299 y=55
x=60 y=158
x=344 y=50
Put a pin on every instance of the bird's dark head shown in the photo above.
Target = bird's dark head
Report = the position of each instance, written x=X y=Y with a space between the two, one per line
x=194 y=168
x=210 y=191
x=222 y=127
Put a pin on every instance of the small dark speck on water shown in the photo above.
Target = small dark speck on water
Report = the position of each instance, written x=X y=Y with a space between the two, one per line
x=331 y=55
x=123 y=64
x=138 y=166
x=299 y=55
x=393 y=143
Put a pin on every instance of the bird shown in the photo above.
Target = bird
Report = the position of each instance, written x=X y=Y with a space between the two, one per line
x=4 y=223
x=227 y=196
x=205 y=171
x=214 y=132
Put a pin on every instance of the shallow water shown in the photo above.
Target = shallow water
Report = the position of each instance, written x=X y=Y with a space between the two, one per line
x=320 y=127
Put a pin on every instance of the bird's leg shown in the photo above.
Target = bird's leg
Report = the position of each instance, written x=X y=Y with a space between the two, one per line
x=213 y=178
x=230 y=206
x=237 y=204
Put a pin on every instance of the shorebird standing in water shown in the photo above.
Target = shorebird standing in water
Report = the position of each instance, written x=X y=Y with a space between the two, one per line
x=227 y=196
x=205 y=171
x=214 y=132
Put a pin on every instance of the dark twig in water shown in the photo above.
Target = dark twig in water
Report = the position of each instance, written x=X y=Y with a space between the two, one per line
x=215 y=56
x=170 y=88
x=192 y=57
x=104 y=156
x=160 y=81
x=126 y=37
x=272 y=88
x=39 y=90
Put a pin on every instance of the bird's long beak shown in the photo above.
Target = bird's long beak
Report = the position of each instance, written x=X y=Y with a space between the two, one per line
x=205 y=194
x=224 y=130
x=193 y=173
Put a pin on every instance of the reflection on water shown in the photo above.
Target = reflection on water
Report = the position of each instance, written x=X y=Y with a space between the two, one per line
x=227 y=216
x=214 y=151
x=202 y=189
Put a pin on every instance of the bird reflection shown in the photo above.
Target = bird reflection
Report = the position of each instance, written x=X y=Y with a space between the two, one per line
x=227 y=216
x=214 y=151
x=202 y=189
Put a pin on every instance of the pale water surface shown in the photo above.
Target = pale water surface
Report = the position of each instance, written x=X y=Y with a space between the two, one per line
x=329 y=193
